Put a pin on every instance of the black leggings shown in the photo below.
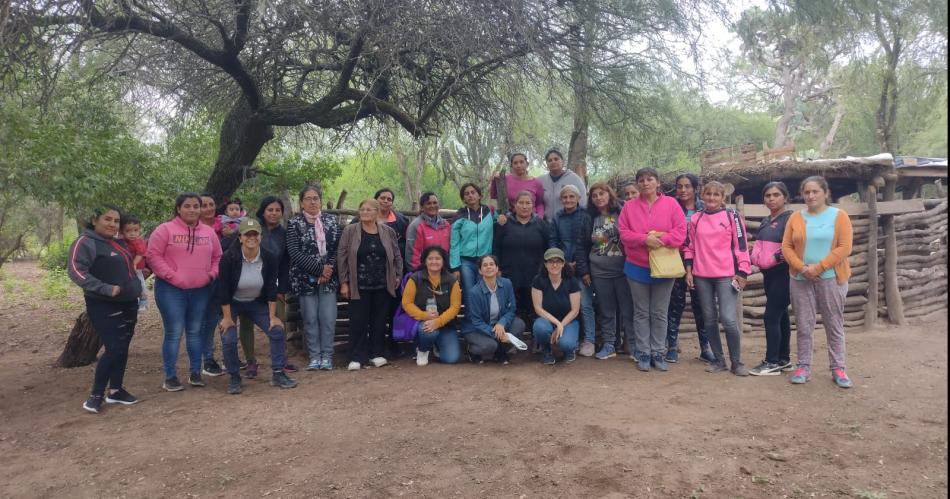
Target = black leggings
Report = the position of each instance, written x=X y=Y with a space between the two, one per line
x=778 y=329
x=368 y=325
x=115 y=324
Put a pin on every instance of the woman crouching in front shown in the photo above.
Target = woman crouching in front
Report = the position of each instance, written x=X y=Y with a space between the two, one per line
x=248 y=286
x=433 y=297
x=556 y=296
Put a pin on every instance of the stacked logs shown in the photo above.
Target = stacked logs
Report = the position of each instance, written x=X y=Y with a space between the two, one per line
x=922 y=261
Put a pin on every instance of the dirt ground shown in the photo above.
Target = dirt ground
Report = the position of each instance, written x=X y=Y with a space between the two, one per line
x=594 y=428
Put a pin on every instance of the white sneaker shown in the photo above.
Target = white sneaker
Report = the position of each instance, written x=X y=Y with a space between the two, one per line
x=378 y=361
x=353 y=366
x=520 y=345
x=422 y=358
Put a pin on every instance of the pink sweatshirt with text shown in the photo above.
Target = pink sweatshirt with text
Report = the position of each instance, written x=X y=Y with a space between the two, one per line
x=185 y=257
x=716 y=245
x=638 y=218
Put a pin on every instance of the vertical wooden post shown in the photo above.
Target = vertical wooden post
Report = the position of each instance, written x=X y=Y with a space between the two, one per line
x=870 y=308
x=892 y=293
x=740 y=308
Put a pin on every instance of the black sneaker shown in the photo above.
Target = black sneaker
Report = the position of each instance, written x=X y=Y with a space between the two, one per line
x=121 y=396
x=766 y=369
x=242 y=365
x=501 y=356
x=194 y=379
x=234 y=385
x=281 y=380
x=172 y=384
x=786 y=366
x=212 y=368
x=475 y=359
x=93 y=404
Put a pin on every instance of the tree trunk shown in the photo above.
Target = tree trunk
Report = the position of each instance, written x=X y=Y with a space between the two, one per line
x=870 y=316
x=892 y=292
x=82 y=346
x=242 y=138
x=791 y=92
x=830 y=137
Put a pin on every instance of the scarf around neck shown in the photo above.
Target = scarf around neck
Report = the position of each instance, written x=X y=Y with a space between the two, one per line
x=318 y=232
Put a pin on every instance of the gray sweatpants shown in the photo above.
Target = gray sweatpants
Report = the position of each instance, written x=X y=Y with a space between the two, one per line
x=823 y=296
x=614 y=302
x=650 y=305
x=718 y=300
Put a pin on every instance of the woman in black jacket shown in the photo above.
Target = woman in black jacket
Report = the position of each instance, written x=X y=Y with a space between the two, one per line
x=519 y=245
x=102 y=267
x=247 y=285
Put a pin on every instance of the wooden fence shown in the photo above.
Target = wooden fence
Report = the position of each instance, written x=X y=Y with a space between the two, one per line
x=920 y=261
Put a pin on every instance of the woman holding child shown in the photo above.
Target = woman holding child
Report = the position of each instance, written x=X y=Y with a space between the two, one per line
x=102 y=266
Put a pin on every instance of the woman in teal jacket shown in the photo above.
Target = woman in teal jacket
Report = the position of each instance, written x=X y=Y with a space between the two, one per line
x=471 y=236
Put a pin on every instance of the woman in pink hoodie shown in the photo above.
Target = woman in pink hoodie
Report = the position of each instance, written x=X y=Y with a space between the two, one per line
x=184 y=256
x=652 y=220
x=717 y=264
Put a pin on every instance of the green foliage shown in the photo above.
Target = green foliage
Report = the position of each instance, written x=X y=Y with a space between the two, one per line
x=56 y=284
x=56 y=256
x=278 y=170
x=362 y=175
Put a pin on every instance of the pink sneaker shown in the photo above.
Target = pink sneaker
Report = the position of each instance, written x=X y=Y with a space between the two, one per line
x=841 y=378
x=799 y=377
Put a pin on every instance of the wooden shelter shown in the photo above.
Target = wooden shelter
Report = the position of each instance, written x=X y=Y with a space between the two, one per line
x=899 y=260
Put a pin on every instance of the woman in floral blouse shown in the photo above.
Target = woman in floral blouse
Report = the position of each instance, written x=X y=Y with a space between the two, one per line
x=605 y=256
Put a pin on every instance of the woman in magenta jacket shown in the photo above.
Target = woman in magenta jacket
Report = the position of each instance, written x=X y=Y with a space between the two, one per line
x=653 y=220
x=184 y=256
x=717 y=265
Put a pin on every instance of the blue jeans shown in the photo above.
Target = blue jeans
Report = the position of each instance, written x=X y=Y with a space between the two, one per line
x=209 y=323
x=319 y=312
x=259 y=314
x=543 y=329
x=182 y=311
x=468 y=273
x=587 y=312
x=446 y=338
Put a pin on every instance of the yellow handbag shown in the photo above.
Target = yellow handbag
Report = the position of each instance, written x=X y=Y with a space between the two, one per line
x=666 y=263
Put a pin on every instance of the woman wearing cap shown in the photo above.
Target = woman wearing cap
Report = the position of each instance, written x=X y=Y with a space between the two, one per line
x=651 y=221
x=370 y=268
x=556 y=297
x=433 y=297
x=519 y=244
x=184 y=254
x=102 y=266
x=248 y=286
x=490 y=314
x=312 y=240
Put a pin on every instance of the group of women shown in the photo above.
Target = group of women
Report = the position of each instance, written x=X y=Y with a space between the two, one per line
x=558 y=272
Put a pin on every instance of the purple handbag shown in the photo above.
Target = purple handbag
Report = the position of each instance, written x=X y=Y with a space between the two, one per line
x=404 y=326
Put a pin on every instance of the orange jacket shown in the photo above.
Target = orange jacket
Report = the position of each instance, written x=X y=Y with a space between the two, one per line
x=793 y=246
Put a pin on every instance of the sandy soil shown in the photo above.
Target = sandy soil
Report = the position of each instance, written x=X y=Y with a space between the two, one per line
x=594 y=428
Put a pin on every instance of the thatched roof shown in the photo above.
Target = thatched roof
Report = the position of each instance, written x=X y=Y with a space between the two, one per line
x=758 y=173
